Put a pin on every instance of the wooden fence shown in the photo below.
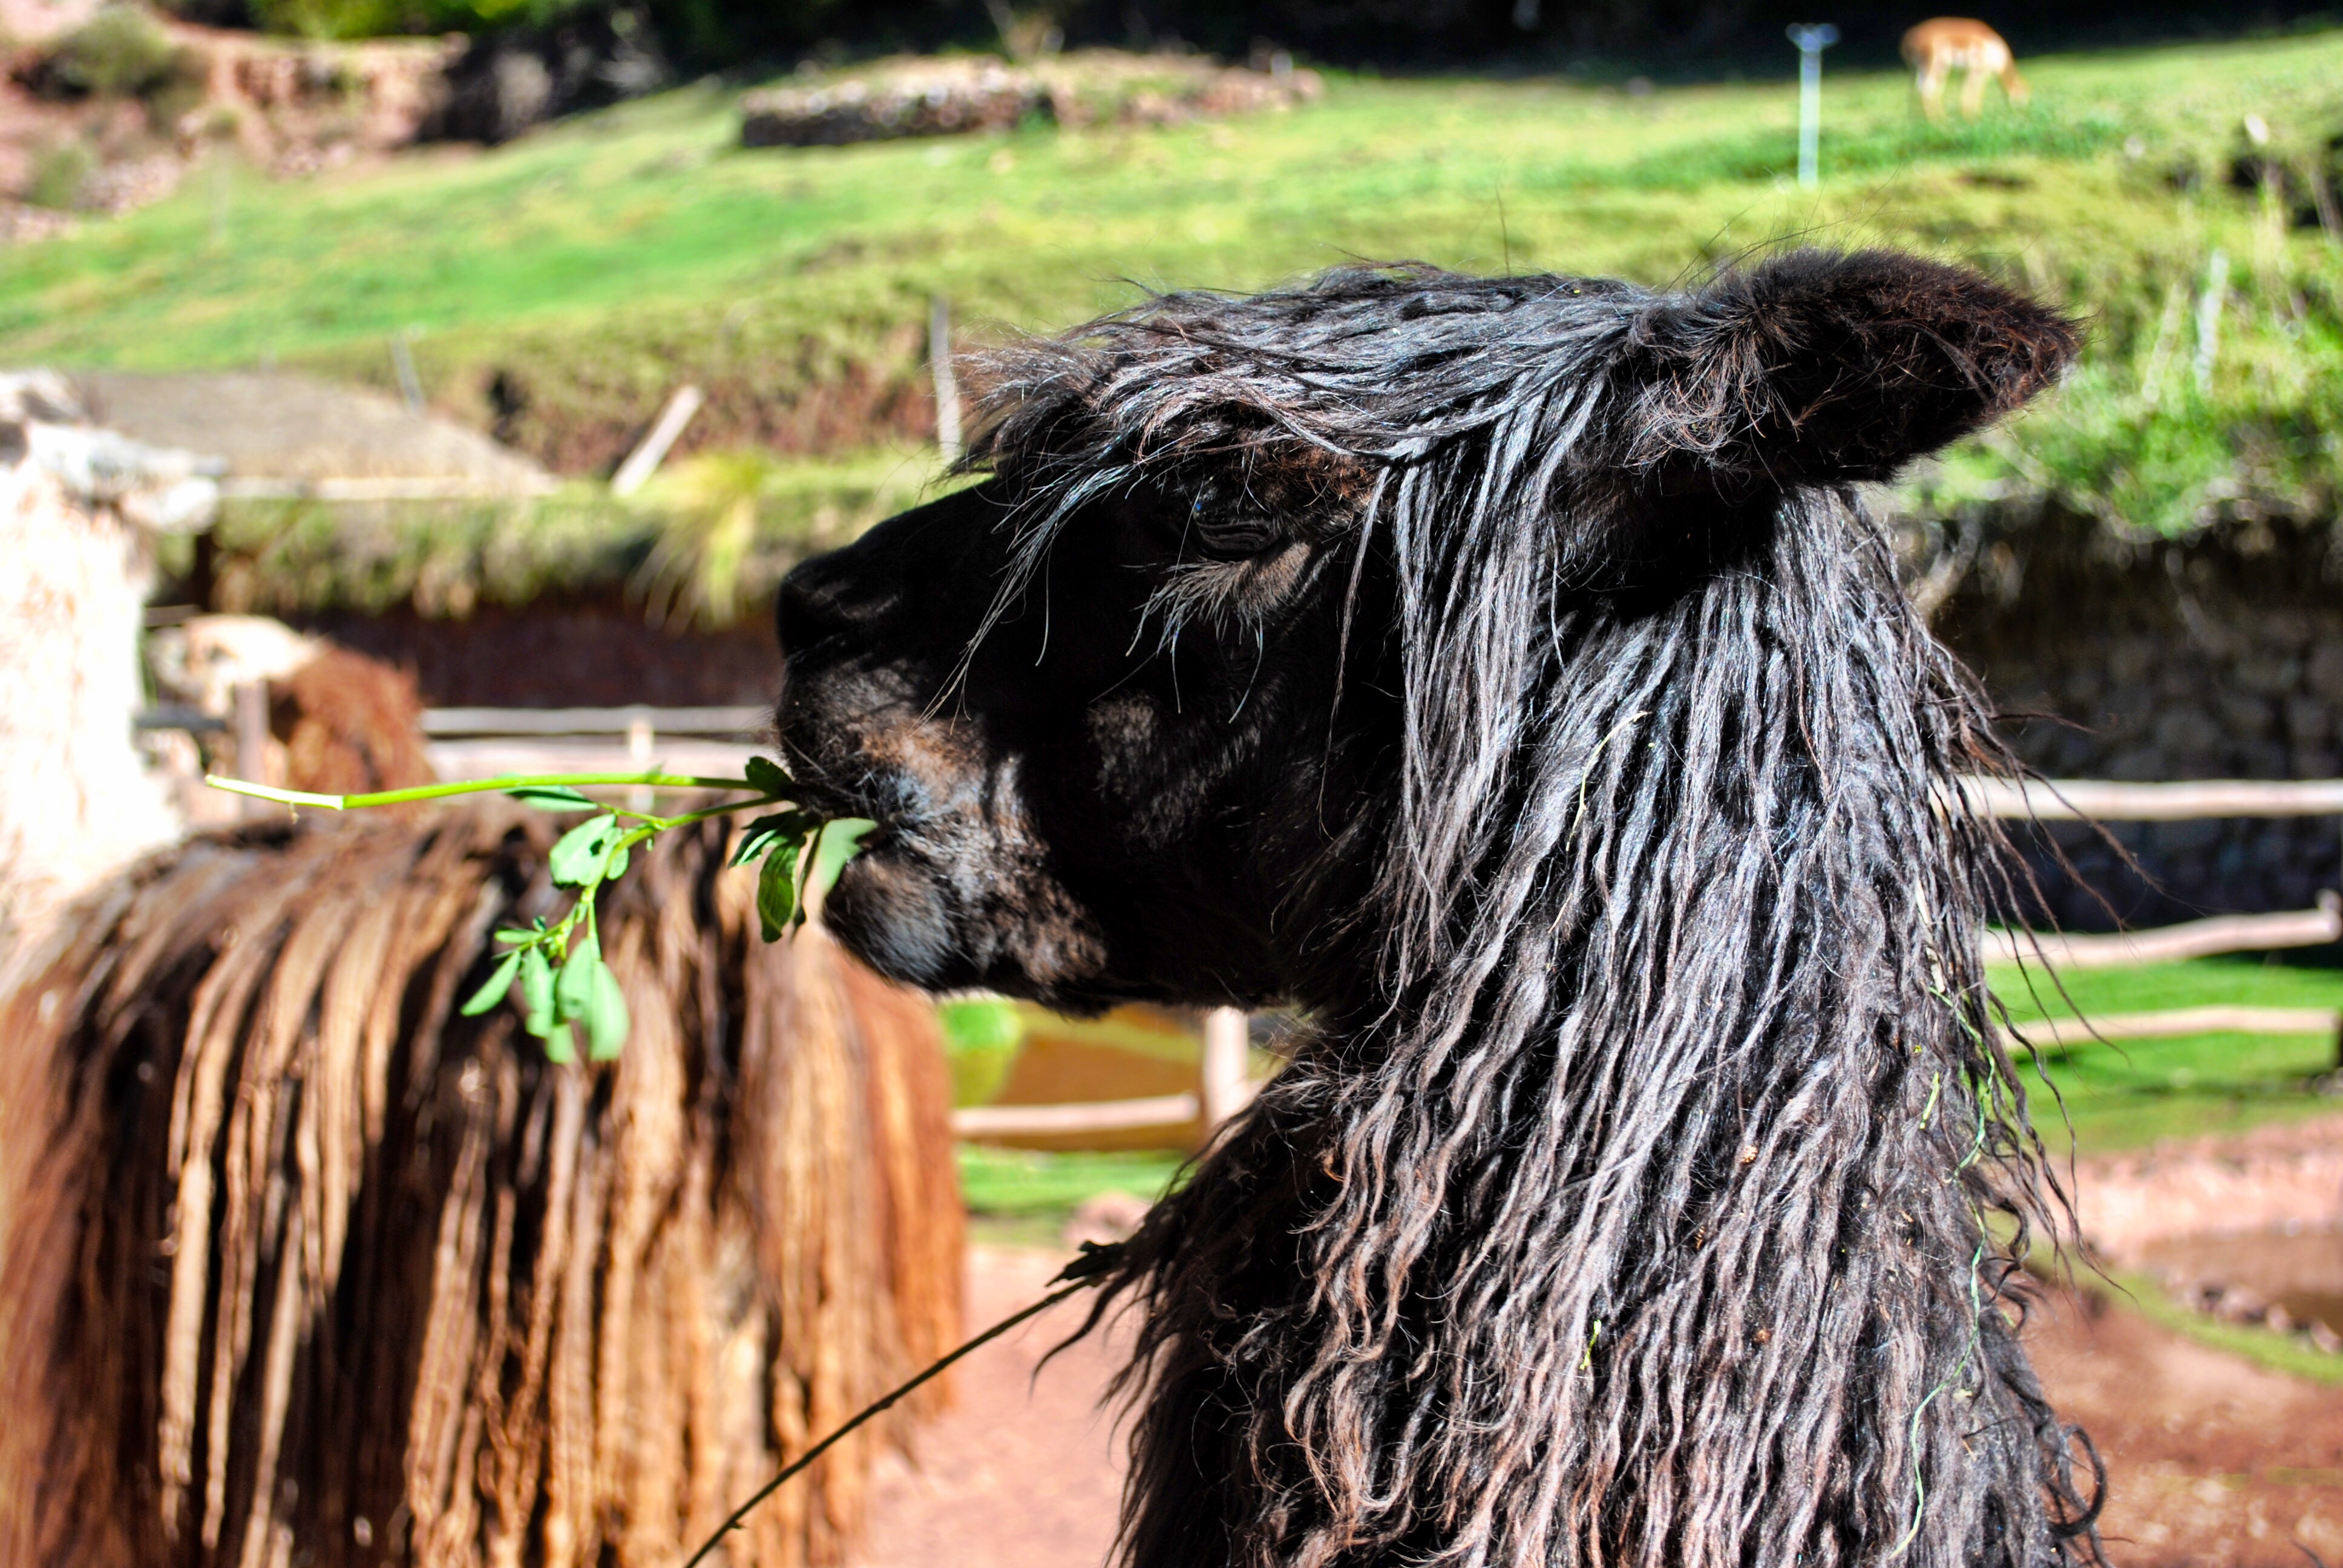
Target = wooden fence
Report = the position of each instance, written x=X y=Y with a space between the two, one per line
x=2106 y=800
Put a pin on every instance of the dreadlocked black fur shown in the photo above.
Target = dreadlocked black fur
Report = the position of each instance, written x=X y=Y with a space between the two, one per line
x=1642 y=1224
x=1630 y=1203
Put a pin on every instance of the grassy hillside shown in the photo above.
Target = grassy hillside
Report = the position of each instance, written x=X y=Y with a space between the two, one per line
x=559 y=286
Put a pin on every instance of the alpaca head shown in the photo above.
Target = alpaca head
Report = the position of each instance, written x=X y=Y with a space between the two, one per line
x=1247 y=598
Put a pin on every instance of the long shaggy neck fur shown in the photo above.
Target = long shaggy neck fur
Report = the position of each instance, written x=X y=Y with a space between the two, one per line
x=1635 y=1202
x=1642 y=1215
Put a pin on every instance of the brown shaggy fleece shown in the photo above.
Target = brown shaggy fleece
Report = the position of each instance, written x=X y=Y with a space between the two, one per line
x=350 y=725
x=305 y=1267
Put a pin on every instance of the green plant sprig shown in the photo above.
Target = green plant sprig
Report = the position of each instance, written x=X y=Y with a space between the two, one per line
x=558 y=969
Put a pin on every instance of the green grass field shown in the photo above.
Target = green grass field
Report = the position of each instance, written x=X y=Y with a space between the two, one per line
x=607 y=257
x=648 y=206
x=1021 y=1197
x=2126 y=1094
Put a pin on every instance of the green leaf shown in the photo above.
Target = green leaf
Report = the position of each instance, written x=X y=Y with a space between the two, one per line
x=559 y=1046
x=840 y=840
x=605 y=1016
x=500 y=982
x=579 y=854
x=777 y=889
x=619 y=855
x=536 y=993
x=512 y=934
x=757 y=839
x=765 y=777
x=573 y=988
x=551 y=797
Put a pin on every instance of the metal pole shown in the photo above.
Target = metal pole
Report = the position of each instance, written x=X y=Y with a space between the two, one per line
x=1811 y=42
x=1810 y=116
x=2208 y=318
x=410 y=386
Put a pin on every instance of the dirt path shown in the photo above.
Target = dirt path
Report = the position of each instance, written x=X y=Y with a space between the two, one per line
x=1024 y=1472
x=2214 y=1463
x=2210 y=1459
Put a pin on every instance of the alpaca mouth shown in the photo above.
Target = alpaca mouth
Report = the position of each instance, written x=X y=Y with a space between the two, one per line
x=812 y=789
x=834 y=804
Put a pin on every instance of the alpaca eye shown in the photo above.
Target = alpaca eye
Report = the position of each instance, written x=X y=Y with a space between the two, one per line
x=1233 y=538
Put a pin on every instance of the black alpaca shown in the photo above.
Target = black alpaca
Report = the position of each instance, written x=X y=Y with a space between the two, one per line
x=1504 y=670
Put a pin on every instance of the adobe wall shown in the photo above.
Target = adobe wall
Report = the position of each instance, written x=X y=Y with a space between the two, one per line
x=561 y=653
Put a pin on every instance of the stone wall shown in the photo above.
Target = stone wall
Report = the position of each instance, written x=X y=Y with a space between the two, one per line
x=2221 y=658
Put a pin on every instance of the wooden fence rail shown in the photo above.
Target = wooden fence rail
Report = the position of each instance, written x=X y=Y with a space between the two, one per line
x=2170 y=944
x=740 y=720
x=2178 y=1022
x=2106 y=800
x=1075 y=1116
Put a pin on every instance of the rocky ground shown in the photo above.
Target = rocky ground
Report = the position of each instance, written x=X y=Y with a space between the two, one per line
x=287 y=106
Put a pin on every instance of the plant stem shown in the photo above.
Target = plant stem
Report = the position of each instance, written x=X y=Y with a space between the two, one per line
x=651 y=825
x=732 y=1521
x=477 y=787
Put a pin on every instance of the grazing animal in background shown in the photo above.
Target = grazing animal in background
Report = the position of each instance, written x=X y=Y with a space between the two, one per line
x=303 y=1266
x=349 y=725
x=1505 y=671
x=1937 y=47
x=338 y=722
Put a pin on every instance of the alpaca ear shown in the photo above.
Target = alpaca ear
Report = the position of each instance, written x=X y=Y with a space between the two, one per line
x=1813 y=367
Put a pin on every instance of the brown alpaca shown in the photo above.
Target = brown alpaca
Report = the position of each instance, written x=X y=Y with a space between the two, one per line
x=346 y=724
x=303 y=1266
x=349 y=724
x=299 y=1265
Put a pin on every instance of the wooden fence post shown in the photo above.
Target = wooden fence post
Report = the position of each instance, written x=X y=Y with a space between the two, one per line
x=249 y=700
x=939 y=363
x=1227 y=1082
x=644 y=460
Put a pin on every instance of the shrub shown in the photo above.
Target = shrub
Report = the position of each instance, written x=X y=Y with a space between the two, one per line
x=60 y=175
x=119 y=53
x=368 y=19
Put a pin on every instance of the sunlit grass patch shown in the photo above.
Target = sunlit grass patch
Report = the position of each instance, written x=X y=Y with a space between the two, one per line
x=1018 y=1197
x=2128 y=1093
x=606 y=258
